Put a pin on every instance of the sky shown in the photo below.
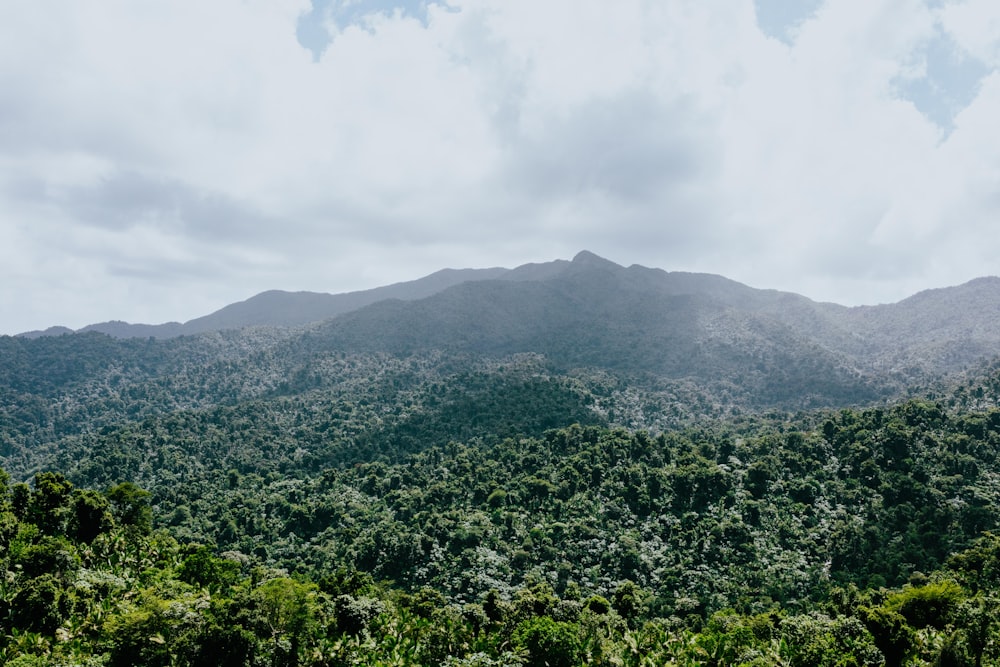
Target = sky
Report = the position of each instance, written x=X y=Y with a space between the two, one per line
x=161 y=159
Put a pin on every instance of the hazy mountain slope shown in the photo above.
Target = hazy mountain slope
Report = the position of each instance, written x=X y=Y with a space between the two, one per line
x=639 y=316
x=939 y=330
x=120 y=329
x=50 y=331
x=287 y=309
x=935 y=331
x=593 y=313
x=277 y=308
x=755 y=347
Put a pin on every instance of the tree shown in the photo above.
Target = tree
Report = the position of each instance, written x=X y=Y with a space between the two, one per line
x=628 y=601
x=49 y=506
x=548 y=643
x=49 y=556
x=90 y=515
x=203 y=568
x=978 y=617
x=893 y=637
x=141 y=636
x=20 y=499
x=38 y=605
x=4 y=490
x=932 y=605
x=290 y=611
x=130 y=506
x=355 y=614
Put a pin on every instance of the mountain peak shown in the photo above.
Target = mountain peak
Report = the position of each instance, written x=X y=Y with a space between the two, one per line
x=586 y=257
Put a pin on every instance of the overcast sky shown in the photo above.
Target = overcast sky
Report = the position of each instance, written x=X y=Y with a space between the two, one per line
x=161 y=159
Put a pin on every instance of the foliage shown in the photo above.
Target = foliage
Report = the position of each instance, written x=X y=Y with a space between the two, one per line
x=367 y=509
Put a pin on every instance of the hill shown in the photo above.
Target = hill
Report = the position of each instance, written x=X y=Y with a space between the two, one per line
x=565 y=463
x=714 y=341
x=277 y=308
x=592 y=312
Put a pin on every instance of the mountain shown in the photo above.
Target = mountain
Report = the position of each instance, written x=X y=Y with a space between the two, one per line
x=277 y=308
x=537 y=465
x=593 y=313
x=637 y=317
x=51 y=331
x=941 y=329
x=776 y=347
x=755 y=347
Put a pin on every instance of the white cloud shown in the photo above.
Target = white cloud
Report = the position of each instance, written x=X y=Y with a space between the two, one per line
x=975 y=24
x=158 y=160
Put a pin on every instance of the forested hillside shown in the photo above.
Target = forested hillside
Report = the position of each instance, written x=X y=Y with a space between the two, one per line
x=851 y=537
x=676 y=469
x=424 y=509
x=767 y=348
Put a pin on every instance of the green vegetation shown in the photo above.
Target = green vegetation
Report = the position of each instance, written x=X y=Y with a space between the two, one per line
x=126 y=595
x=171 y=505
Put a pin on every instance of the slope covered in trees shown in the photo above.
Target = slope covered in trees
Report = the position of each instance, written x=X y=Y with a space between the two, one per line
x=422 y=510
x=573 y=464
x=703 y=514
x=777 y=349
x=847 y=538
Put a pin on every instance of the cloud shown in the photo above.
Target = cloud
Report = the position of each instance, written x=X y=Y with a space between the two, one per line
x=627 y=147
x=159 y=160
x=848 y=170
x=126 y=200
x=975 y=26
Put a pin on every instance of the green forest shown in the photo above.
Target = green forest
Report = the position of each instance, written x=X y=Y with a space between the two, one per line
x=235 y=500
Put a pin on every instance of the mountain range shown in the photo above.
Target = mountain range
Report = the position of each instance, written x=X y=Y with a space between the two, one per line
x=672 y=461
x=592 y=313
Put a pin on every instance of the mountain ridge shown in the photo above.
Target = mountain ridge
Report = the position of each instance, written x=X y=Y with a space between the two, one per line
x=771 y=347
x=519 y=444
x=281 y=308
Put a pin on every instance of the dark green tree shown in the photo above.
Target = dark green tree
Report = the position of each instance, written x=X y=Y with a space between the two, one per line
x=49 y=508
x=893 y=637
x=548 y=643
x=90 y=515
x=130 y=506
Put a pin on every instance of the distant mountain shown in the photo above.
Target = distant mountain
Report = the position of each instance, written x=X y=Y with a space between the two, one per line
x=51 y=331
x=776 y=348
x=593 y=313
x=120 y=329
x=939 y=329
x=276 y=308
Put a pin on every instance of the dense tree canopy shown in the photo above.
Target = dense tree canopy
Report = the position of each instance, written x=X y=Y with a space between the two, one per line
x=370 y=509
